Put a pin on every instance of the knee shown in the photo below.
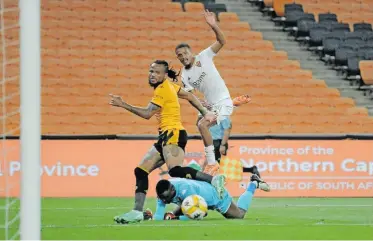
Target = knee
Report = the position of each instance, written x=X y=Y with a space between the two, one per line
x=203 y=124
x=237 y=216
x=142 y=182
x=241 y=215
x=140 y=173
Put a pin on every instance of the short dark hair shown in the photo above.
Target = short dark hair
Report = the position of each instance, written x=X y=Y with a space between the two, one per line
x=170 y=72
x=162 y=186
x=182 y=45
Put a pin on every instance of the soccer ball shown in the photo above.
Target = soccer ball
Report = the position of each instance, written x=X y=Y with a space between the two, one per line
x=194 y=207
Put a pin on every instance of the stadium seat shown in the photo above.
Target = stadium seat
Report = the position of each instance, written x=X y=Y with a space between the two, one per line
x=361 y=27
x=92 y=55
x=279 y=6
x=227 y=17
x=366 y=68
x=217 y=8
x=194 y=7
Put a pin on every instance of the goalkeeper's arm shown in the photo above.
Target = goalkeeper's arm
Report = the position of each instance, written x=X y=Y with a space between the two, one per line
x=161 y=214
x=177 y=214
x=160 y=211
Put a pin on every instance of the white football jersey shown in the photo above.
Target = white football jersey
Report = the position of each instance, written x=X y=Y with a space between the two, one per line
x=204 y=77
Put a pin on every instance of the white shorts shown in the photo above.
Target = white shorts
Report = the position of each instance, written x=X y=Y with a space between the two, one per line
x=223 y=109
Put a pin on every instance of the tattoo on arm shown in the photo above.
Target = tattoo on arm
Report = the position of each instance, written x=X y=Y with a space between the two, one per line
x=145 y=113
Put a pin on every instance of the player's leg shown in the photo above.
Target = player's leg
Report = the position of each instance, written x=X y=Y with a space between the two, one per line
x=173 y=153
x=224 y=110
x=244 y=201
x=217 y=144
x=174 y=157
x=234 y=212
x=150 y=162
x=204 y=129
x=253 y=170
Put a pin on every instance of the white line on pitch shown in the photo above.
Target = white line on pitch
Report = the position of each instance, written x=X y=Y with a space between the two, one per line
x=254 y=206
x=92 y=208
x=199 y=224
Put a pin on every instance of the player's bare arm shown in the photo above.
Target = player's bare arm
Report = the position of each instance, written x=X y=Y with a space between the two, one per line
x=193 y=100
x=220 y=38
x=145 y=113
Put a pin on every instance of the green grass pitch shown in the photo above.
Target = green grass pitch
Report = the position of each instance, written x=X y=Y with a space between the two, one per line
x=268 y=218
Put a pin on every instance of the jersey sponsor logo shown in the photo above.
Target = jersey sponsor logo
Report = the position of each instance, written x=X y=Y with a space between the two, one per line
x=159 y=97
x=198 y=82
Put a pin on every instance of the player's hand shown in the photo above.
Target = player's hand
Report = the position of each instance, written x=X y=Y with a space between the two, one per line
x=210 y=18
x=169 y=216
x=210 y=116
x=206 y=104
x=148 y=214
x=223 y=150
x=116 y=100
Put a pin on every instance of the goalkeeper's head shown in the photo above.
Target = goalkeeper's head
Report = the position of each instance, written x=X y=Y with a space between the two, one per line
x=165 y=191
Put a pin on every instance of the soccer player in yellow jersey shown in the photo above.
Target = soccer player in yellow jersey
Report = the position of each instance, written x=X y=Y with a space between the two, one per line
x=172 y=138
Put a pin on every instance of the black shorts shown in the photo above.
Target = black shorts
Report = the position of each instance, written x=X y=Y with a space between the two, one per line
x=217 y=144
x=171 y=137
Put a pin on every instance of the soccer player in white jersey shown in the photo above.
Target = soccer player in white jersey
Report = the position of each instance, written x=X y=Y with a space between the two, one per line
x=200 y=73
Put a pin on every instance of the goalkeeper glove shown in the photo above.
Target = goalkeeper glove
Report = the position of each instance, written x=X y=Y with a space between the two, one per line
x=148 y=214
x=170 y=216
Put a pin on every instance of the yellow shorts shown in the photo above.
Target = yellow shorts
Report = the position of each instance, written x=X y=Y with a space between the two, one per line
x=171 y=137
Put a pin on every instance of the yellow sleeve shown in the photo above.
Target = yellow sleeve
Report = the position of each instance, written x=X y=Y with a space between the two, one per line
x=177 y=87
x=158 y=97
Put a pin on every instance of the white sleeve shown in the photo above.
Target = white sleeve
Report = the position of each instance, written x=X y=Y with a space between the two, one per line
x=187 y=86
x=207 y=53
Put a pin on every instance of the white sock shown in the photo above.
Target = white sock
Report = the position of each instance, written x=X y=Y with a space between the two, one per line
x=210 y=155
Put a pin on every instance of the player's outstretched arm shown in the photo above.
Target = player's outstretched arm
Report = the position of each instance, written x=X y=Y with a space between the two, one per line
x=145 y=113
x=193 y=100
x=160 y=211
x=220 y=39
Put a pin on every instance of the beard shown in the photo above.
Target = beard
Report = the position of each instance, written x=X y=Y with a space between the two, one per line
x=154 y=85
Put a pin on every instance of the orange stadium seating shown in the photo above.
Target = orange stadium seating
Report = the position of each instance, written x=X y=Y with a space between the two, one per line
x=86 y=55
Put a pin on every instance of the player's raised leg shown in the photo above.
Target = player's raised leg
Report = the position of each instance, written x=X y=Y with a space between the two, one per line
x=253 y=170
x=239 y=211
x=212 y=166
x=150 y=162
x=173 y=153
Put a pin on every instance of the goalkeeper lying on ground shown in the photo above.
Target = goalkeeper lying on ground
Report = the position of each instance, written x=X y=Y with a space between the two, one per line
x=176 y=190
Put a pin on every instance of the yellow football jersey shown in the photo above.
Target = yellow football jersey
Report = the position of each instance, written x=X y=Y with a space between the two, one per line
x=165 y=96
